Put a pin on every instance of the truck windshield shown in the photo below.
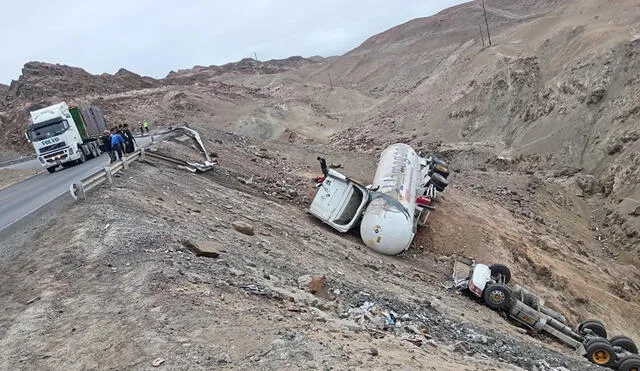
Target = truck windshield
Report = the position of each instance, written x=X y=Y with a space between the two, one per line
x=39 y=132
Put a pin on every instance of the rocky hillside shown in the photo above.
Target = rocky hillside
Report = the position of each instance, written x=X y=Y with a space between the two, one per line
x=52 y=81
x=3 y=90
x=558 y=89
x=246 y=66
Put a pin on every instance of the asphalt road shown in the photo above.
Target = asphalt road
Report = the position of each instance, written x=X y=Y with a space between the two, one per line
x=30 y=195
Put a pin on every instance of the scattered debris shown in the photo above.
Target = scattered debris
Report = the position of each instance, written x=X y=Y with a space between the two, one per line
x=243 y=227
x=33 y=300
x=202 y=248
x=157 y=362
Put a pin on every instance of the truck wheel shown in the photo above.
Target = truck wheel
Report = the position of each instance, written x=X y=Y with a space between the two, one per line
x=91 y=153
x=497 y=296
x=82 y=158
x=596 y=327
x=95 y=151
x=51 y=169
x=500 y=269
x=439 y=181
x=601 y=353
x=625 y=343
x=629 y=363
x=442 y=170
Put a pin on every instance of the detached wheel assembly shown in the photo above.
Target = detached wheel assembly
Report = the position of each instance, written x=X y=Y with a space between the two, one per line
x=625 y=343
x=442 y=170
x=601 y=353
x=497 y=296
x=629 y=363
x=500 y=270
x=596 y=327
x=439 y=182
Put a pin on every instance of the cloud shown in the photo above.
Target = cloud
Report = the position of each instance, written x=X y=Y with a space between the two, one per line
x=154 y=37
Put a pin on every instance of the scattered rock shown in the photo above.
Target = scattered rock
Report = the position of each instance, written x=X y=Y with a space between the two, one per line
x=373 y=351
x=202 y=248
x=589 y=184
x=236 y=272
x=304 y=281
x=157 y=362
x=33 y=300
x=614 y=148
x=243 y=227
x=318 y=286
x=567 y=171
x=596 y=96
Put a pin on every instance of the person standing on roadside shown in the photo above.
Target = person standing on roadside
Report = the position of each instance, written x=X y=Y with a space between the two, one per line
x=116 y=144
x=106 y=143
x=145 y=125
x=128 y=138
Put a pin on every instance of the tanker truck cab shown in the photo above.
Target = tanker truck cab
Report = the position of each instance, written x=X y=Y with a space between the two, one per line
x=339 y=201
x=53 y=135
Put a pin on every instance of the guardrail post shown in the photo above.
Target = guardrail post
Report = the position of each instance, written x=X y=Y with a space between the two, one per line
x=77 y=191
x=142 y=156
x=107 y=171
x=125 y=164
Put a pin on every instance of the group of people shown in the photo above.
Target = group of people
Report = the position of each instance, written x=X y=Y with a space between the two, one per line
x=117 y=141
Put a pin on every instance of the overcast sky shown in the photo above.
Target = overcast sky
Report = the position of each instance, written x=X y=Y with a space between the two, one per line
x=153 y=37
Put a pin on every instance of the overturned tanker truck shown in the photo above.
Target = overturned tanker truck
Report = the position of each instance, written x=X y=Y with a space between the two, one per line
x=389 y=211
x=490 y=283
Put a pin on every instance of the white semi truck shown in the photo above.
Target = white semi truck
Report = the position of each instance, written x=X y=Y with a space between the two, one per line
x=63 y=135
x=389 y=211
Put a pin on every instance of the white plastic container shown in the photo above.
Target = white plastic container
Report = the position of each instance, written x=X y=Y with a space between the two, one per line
x=387 y=225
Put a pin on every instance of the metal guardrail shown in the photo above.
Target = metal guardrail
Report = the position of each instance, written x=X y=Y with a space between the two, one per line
x=17 y=160
x=79 y=189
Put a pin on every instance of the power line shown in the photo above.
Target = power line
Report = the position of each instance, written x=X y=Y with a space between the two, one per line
x=486 y=22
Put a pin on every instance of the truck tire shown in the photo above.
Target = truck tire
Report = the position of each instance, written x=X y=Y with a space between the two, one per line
x=629 y=363
x=51 y=169
x=500 y=269
x=596 y=327
x=439 y=182
x=625 y=343
x=82 y=158
x=95 y=152
x=439 y=161
x=601 y=353
x=442 y=170
x=497 y=296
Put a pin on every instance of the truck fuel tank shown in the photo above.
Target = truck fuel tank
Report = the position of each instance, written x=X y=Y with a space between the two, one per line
x=387 y=224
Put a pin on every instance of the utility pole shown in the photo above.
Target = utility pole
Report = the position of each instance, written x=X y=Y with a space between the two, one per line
x=486 y=22
x=481 y=35
x=255 y=56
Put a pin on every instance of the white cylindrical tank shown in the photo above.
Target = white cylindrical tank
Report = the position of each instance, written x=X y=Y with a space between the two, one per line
x=387 y=223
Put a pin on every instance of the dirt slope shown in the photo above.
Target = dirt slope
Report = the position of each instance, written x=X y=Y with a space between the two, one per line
x=124 y=285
